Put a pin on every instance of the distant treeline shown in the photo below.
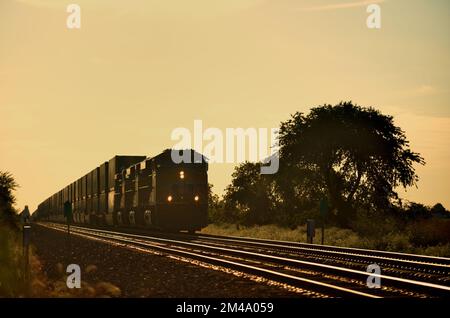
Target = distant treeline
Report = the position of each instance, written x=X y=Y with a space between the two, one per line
x=352 y=158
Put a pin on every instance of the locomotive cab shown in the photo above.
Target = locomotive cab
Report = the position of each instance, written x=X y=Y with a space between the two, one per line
x=181 y=194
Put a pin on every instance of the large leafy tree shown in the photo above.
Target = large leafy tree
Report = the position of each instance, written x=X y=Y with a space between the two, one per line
x=352 y=155
x=250 y=195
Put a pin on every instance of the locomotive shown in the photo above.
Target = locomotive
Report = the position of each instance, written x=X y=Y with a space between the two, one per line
x=137 y=191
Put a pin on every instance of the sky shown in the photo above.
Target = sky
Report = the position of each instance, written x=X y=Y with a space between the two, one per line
x=135 y=70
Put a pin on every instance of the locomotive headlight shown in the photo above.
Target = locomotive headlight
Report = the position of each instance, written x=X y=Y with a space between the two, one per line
x=181 y=174
x=169 y=198
x=196 y=198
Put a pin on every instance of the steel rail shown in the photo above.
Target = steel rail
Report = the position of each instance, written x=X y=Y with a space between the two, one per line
x=348 y=250
x=343 y=255
x=278 y=276
x=434 y=289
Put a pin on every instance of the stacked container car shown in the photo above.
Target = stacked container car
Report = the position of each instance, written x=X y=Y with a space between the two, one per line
x=137 y=191
x=116 y=166
x=103 y=193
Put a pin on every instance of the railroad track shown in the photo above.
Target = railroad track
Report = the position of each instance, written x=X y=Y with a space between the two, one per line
x=394 y=256
x=264 y=258
x=428 y=268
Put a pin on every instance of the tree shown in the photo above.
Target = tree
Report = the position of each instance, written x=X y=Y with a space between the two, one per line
x=215 y=207
x=418 y=211
x=353 y=155
x=439 y=210
x=7 y=186
x=249 y=195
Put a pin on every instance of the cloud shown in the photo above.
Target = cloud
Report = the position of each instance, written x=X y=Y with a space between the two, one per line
x=346 y=5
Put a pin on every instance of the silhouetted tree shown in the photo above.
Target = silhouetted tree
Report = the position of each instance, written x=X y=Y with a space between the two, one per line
x=439 y=211
x=418 y=211
x=7 y=199
x=353 y=155
x=215 y=207
x=297 y=191
x=250 y=195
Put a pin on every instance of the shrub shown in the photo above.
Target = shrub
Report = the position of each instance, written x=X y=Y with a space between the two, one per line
x=430 y=232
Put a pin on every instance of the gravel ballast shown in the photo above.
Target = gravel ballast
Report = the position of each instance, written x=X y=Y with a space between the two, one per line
x=123 y=272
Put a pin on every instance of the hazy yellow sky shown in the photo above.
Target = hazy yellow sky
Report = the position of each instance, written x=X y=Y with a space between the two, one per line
x=70 y=99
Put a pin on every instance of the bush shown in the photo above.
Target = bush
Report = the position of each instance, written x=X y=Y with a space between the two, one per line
x=430 y=232
x=376 y=225
x=397 y=242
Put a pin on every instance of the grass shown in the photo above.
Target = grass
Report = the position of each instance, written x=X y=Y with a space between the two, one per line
x=18 y=281
x=393 y=241
x=12 y=274
x=333 y=235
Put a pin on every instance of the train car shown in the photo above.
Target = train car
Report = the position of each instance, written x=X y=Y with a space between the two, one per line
x=136 y=191
x=116 y=165
x=103 y=192
x=158 y=193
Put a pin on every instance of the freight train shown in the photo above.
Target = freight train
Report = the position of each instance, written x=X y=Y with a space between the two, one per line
x=136 y=191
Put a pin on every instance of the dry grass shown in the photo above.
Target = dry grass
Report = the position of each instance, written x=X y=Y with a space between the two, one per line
x=17 y=281
x=392 y=241
x=12 y=279
x=333 y=235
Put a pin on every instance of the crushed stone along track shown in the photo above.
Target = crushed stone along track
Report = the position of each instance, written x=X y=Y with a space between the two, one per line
x=323 y=272
x=409 y=266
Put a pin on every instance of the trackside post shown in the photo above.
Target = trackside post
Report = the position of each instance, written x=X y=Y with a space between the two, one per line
x=310 y=230
x=68 y=214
